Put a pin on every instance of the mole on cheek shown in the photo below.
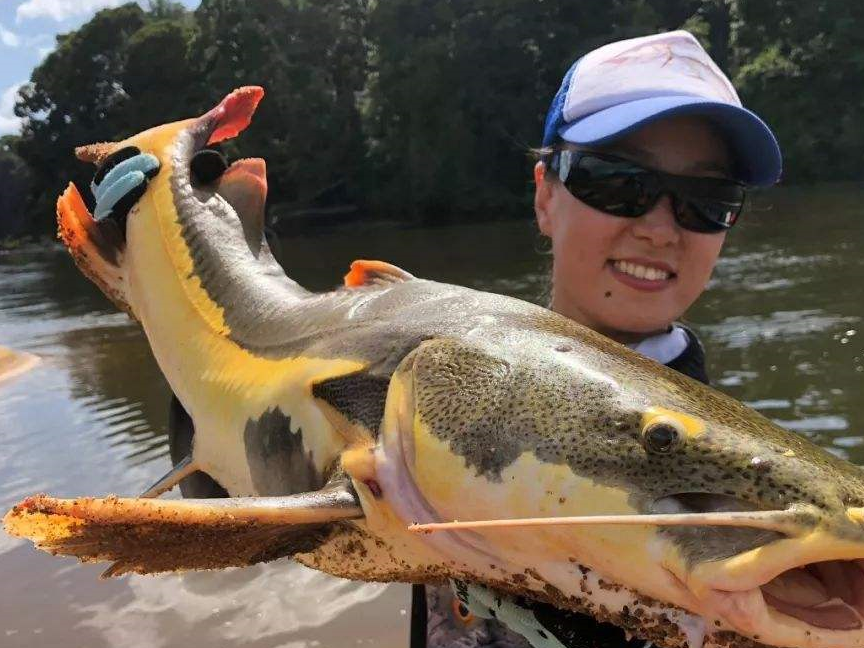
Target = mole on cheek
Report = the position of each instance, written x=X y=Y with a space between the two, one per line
x=608 y=293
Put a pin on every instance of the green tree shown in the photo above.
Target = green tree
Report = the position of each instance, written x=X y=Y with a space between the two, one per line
x=15 y=185
x=311 y=59
x=800 y=65
x=160 y=81
x=74 y=97
x=459 y=93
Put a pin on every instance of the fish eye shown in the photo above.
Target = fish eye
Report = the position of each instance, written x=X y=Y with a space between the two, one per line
x=207 y=166
x=661 y=437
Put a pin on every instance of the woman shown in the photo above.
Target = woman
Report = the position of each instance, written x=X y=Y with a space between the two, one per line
x=646 y=156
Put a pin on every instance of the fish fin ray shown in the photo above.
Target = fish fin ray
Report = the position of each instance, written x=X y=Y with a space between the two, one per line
x=365 y=272
x=182 y=469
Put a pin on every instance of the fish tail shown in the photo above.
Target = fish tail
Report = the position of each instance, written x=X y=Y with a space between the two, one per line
x=96 y=246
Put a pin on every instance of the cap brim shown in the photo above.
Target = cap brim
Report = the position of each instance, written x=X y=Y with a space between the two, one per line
x=753 y=145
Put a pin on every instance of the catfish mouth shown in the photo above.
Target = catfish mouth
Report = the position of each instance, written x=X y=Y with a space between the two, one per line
x=809 y=597
x=828 y=594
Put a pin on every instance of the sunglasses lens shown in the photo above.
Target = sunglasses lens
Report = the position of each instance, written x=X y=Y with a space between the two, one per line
x=615 y=187
x=709 y=204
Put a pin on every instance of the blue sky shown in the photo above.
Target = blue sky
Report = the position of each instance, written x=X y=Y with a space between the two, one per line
x=27 y=31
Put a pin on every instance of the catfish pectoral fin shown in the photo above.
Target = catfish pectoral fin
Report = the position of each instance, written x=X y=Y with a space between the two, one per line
x=150 y=536
x=169 y=480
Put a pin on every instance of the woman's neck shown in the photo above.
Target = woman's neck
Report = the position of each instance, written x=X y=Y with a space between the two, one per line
x=622 y=337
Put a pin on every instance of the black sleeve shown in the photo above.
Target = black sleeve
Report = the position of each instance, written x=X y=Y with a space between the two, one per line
x=419 y=620
x=691 y=362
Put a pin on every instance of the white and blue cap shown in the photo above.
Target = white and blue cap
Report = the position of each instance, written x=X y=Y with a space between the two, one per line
x=622 y=86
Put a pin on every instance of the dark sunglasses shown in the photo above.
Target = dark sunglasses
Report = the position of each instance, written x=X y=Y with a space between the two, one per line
x=623 y=188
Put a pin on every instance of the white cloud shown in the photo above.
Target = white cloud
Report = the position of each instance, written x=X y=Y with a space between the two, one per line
x=9 y=38
x=9 y=123
x=60 y=9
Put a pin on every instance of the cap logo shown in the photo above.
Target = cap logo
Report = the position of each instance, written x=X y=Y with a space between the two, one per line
x=667 y=64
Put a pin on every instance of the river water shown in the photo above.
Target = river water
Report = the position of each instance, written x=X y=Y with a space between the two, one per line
x=781 y=321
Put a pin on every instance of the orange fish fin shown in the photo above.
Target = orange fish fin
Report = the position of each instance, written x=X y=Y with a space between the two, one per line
x=96 y=247
x=234 y=112
x=364 y=273
x=148 y=536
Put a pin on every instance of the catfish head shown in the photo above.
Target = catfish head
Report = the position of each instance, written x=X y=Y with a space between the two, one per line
x=756 y=530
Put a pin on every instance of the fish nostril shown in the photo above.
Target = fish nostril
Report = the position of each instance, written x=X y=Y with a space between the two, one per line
x=207 y=166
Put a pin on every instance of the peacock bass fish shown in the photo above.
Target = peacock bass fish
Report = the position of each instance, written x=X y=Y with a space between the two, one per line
x=334 y=421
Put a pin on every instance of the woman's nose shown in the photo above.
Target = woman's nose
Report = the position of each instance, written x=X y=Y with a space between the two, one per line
x=658 y=225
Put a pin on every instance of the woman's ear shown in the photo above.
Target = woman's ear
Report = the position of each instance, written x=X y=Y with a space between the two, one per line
x=542 y=199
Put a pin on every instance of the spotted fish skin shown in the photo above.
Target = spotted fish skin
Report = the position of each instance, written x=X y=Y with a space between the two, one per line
x=438 y=402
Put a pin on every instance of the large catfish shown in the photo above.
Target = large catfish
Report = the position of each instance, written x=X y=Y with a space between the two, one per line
x=336 y=420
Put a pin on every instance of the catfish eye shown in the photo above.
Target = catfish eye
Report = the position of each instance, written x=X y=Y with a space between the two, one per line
x=207 y=166
x=661 y=437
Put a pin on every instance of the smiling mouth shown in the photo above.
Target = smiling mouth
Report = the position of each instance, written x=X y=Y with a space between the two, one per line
x=640 y=271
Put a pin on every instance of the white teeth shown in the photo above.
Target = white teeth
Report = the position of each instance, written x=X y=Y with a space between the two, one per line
x=640 y=271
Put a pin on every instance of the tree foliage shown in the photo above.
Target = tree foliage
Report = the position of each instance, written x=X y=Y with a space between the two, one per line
x=419 y=109
x=15 y=184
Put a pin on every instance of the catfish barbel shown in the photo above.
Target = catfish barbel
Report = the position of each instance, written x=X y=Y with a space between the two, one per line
x=335 y=420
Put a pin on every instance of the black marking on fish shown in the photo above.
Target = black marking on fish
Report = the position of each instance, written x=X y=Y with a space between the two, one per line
x=120 y=210
x=359 y=397
x=207 y=166
x=279 y=464
x=491 y=408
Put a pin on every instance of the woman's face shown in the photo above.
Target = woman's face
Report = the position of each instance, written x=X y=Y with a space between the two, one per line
x=628 y=277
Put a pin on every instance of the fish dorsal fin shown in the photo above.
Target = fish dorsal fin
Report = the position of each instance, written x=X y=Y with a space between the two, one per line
x=364 y=273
